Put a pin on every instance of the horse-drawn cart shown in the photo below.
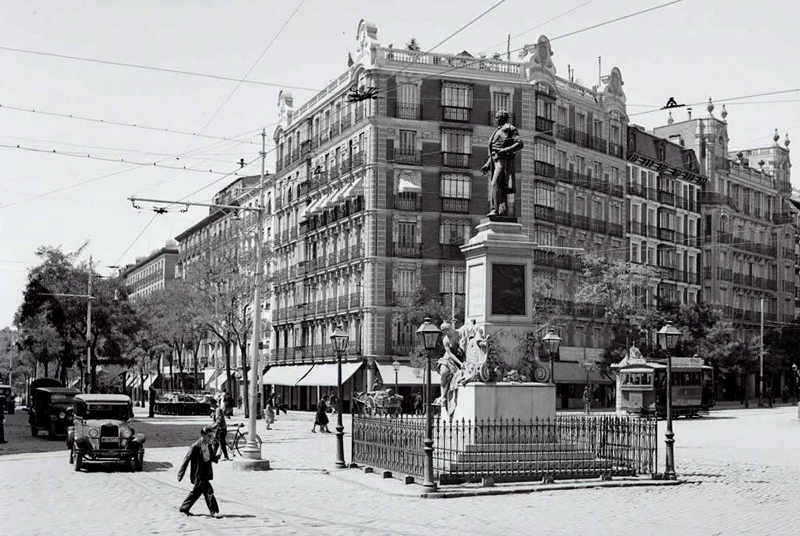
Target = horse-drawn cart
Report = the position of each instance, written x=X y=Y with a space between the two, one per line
x=378 y=403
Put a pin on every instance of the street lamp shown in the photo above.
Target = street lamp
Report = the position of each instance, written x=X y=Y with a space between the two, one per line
x=429 y=336
x=396 y=367
x=796 y=379
x=551 y=343
x=668 y=338
x=339 y=338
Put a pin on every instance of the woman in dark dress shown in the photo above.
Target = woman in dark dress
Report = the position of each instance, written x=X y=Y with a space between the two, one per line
x=321 y=418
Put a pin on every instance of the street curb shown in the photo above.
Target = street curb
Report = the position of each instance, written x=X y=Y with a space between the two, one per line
x=454 y=494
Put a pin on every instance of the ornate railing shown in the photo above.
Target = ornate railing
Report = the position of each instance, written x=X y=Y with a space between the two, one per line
x=564 y=447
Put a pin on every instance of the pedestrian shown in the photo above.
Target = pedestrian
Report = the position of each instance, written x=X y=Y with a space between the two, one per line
x=418 y=403
x=587 y=400
x=321 y=418
x=770 y=396
x=220 y=426
x=269 y=414
x=332 y=400
x=2 y=419
x=227 y=403
x=785 y=394
x=279 y=405
x=201 y=455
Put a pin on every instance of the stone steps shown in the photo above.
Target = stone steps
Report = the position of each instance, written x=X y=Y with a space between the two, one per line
x=527 y=456
x=598 y=466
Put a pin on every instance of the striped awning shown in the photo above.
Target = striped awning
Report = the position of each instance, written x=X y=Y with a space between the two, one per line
x=406 y=375
x=355 y=189
x=286 y=374
x=326 y=374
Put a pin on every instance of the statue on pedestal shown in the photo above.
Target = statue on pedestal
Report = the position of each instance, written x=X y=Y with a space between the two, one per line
x=503 y=143
x=451 y=367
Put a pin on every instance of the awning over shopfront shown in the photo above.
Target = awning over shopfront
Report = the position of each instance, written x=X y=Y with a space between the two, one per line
x=573 y=372
x=208 y=375
x=407 y=375
x=286 y=374
x=409 y=184
x=325 y=374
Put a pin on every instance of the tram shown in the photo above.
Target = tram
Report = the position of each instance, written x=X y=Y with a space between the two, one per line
x=642 y=387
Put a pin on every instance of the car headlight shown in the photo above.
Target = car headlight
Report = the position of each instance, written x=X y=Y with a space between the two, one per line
x=94 y=432
x=62 y=415
x=126 y=433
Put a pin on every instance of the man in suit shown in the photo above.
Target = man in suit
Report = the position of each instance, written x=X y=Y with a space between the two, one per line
x=201 y=455
x=504 y=142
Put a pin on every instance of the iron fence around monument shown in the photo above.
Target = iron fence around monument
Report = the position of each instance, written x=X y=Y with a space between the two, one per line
x=567 y=446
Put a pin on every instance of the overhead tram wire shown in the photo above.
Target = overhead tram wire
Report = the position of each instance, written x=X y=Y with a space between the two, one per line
x=149 y=223
x=90 y=180
x=152 y=68
x=730 y=100
x=253 y=66
x=446 y=39
x=592 y=27
x=121 y=124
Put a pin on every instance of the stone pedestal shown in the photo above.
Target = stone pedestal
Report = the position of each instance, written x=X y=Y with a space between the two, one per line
x=492 y=401
x=498 y=281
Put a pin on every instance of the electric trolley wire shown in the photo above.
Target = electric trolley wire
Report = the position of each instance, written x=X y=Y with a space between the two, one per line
x=152 y=68
x=253 y=66
x=721 y=101
x=120 y=123
x=149 y=223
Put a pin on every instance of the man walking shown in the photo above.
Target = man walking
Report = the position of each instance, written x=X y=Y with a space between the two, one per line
x=201 y=455
x=587 y=400
x=220 y=426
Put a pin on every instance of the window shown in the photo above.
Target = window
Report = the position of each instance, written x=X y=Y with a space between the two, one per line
x=544 y=236
x=406 y=234
x=544 y=107
x=580 y=122
x=408 y=141
x=544 y=195
x=634 y=252
x=615 y=134
x=452 y=280
x=615 y=177
x=562 y=160
x=545 y=151
x=408 y=101
x=407 y=280
x=455 y=186
x=501 y=101
x=454 y=232
x=598 y=129
x=456 y=141
x=456 y=101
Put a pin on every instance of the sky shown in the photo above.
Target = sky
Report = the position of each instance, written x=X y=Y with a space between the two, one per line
x=690 y=50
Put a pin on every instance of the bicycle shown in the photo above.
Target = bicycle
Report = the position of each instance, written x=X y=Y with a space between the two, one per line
x=239 y=440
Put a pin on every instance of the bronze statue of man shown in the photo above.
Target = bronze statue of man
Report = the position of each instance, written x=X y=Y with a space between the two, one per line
x=504 y=142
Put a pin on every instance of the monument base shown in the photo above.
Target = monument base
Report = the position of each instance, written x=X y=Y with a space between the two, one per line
x=246 y=464
x=491 y=401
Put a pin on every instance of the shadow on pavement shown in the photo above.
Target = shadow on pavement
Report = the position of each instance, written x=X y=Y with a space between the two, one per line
x=156 y=467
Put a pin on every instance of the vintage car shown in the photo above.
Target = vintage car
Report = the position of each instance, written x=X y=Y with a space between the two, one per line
x=51 y=407
x=5 y=392
x=102 y=431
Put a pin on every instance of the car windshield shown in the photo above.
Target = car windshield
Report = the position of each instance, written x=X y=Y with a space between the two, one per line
x=60 y=398
x=118 y=412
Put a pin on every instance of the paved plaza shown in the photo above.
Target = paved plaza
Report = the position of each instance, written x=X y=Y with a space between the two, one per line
x=742 y=472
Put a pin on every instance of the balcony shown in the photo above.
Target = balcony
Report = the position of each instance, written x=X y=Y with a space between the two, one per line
x=668 y=235
x=333 y=172
x=456 y=160
x=615 y=229
x=355 y=300
x=408 y=201
x=565 y=133
x=637 y=228
x=305 y=148
x=452 y=252
x=336 y=128
x=293 y=232
x=359 y=115
x=405 y=110
x=667 y=198
x=541 y=212
x=333 y=258
x=295 y=154
x=332 y=305
x=343 y=254
x=598 y=144
x=406 y=155
x=356 y=251
x=347 y=121
x=544 y=169
x=456 y=113
x=725 y=274
x=285 y=235
x=342 y=303
x=637 y=189
x=353 y=348
x=358 y=160
x=542 y=124
x=458 y=206
x=616 y=150
x=410 y=251
x=582 y=139
x=345 y=166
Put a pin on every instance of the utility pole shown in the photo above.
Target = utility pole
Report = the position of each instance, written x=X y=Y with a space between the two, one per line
x=92 y=376
x=251 y=454
x=761 y=360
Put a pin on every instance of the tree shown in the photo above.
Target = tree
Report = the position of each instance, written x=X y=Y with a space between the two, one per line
x=616 y=286
x=413 y=45
x=40 y=343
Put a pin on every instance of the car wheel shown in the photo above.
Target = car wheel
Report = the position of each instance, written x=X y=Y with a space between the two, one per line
x=138 y=462
x=34 y=431
x=78 y=461
x=72 y=455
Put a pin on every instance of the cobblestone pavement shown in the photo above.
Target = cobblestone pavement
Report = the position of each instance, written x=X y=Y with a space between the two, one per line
x=742 y=469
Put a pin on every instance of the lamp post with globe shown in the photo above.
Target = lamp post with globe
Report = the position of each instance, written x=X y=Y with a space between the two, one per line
x=429 y=336
x=339 y=338
x=551 y=344
x=668 y=338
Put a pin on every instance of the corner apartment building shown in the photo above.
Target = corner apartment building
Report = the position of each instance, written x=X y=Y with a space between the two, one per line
x=374 y=196
x=749 y=224
x=152 y=273
x=664 y=186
